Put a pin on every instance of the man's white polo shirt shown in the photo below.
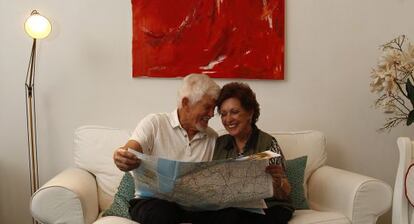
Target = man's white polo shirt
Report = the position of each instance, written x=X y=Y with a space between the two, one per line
x=161 y=135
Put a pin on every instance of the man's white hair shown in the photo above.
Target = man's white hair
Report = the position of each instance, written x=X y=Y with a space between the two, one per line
x=195 y=86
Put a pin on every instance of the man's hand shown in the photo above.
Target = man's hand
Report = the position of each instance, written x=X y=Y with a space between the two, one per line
x=281 y=186
x=125 y=160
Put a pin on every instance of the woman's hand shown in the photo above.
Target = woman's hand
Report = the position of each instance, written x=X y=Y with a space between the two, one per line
x=281 y=185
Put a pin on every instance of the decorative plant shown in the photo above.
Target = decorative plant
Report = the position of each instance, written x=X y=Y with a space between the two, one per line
x=393 y=80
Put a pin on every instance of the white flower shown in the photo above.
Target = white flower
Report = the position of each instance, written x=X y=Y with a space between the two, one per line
x=383 y=80
x=389 y=58
x=407 y=59
x=376 y=83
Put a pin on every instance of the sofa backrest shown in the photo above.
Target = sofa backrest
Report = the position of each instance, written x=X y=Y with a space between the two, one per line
x=301 y=143
x=93 y=151
x=94 y=147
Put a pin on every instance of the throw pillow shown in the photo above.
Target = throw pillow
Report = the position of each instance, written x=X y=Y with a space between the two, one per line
x=120 y=205
x=295 y=172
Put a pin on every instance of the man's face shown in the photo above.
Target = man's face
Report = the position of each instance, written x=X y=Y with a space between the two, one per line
x=200 y=113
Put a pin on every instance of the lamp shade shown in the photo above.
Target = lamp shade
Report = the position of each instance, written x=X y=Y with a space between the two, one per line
x=37 y=26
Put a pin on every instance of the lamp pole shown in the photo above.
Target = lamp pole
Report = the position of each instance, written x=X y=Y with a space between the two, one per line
x=31 y=120
x=37 y=27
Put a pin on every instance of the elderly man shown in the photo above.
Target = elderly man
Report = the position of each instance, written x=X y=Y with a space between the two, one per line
x=180 y=135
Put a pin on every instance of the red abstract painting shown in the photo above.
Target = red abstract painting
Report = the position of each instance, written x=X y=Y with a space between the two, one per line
x=220 y=38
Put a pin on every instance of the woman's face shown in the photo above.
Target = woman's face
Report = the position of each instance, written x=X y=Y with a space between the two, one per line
x=236 y=120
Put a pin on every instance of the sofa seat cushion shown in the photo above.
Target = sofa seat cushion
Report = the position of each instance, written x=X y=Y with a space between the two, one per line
x=314 y=217
x=299 y=217
x=113 y=220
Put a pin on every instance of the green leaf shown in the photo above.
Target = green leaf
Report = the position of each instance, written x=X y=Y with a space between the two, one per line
x=410 y=118
x=410 y=91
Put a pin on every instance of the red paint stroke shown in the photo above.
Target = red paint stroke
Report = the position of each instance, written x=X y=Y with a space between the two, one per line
x=221 y=38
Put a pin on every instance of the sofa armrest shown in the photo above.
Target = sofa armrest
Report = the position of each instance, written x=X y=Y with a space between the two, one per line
x=360 y=198
x=69 y=197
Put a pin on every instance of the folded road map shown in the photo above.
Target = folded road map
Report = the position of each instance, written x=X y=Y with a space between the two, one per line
x=213 y=185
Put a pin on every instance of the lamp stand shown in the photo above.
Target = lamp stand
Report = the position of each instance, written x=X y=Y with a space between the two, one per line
x=31 y=120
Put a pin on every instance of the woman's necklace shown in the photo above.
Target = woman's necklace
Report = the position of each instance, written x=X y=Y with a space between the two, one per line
x=242 y=143
x=240 y=154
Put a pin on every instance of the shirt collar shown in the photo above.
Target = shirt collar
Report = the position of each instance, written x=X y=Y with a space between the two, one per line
x=173 y=118
x=175 y=122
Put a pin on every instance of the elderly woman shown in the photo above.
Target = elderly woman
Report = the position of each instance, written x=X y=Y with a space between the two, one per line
x=239 y=111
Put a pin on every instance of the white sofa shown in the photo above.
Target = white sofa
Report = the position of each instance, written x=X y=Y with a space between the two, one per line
x=80 y=194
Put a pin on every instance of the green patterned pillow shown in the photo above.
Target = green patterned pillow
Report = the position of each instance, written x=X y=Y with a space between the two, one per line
x=295 y=171
x=120 y=205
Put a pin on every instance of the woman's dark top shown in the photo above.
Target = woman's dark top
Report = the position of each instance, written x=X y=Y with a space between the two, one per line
x=258 y=141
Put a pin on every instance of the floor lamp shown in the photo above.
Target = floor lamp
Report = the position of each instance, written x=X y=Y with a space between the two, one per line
x=37 y=27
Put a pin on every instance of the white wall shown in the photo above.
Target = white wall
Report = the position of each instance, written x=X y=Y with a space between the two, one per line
x=84 y=77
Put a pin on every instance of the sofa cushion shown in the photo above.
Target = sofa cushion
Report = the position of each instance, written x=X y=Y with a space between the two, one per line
x=318 y=217
x=303 y=143
x=114 y=220
x=299 y=217
x=295 y=171
x=125 y=193
x=93 y=151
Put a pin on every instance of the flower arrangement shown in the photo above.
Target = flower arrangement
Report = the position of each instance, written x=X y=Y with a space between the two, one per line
x=392 y=79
